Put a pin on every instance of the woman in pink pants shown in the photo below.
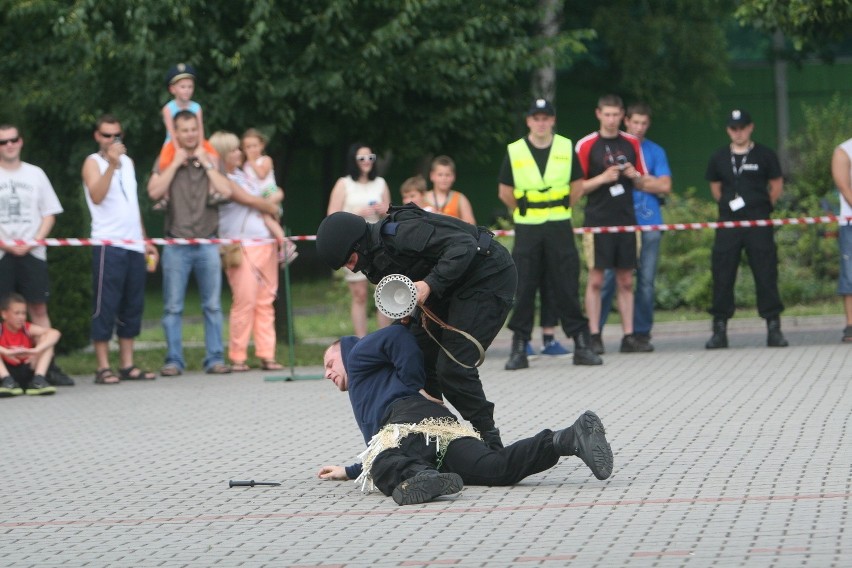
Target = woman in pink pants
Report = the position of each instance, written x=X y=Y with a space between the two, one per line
x=254 y=281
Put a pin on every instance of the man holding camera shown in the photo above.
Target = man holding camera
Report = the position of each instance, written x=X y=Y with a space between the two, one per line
x=540 y=180
x=191 y=179
x=118 y=271
x=614 y=165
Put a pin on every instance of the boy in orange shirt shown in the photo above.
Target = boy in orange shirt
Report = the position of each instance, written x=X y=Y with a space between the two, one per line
x=443 y=198
x=26 y=350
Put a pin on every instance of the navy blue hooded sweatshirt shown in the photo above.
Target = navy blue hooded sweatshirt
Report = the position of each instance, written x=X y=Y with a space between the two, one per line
x=381 y=367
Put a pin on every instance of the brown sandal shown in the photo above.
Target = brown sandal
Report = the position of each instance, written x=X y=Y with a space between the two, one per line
x=106 y=377
x=239 y=367
x=270 y=365
x=134 y=373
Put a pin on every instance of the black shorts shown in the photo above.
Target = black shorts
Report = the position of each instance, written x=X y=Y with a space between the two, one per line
x=22 y=373
x=611 y=250
x=26 y=275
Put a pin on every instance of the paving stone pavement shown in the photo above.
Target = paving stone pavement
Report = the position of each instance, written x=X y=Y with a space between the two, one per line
x=737 y=457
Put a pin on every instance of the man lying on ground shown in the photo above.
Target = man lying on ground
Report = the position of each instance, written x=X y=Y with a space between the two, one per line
x=417 y=449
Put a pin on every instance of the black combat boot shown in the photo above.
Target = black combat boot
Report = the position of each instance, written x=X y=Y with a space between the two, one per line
x=583 y=353
x=586 y=439
x=426 y=486
x=774 y=337
x=720 y=335
x=518 y=357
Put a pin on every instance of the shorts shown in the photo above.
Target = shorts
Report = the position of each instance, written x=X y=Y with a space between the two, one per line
x=22 y=373
x=26 y=275
x=844 y=240
x=118 y=292
x=611 y=250
x=350 y=276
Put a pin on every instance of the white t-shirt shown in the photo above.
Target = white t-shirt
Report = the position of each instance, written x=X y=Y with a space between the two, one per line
x=240 y=221
x=117 y=216
x=361 y=195
x=26 y=197
x=846 y=207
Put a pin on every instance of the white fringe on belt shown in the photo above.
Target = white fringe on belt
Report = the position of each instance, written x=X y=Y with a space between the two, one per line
x=442 y=430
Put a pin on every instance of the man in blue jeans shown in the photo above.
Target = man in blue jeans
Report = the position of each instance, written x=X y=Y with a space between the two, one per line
x=189 y=181
x=646 y=202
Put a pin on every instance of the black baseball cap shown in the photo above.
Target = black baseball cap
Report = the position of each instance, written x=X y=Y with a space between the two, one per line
x=738 y=118
x=541 y=106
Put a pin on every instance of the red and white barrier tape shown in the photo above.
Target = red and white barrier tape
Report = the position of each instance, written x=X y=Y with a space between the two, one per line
x=72 y=242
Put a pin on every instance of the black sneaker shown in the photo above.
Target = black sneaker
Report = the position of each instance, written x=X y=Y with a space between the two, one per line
x=597 y=344
x=426 y=486
x=56 y=377
x=586 y=439
x=632 y=344
x=38 y=386
x=8 y=387
x=645 y=339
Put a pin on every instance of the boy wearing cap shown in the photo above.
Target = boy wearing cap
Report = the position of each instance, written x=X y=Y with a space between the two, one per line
x=180 y=81
x=540 y=180
x=746 y=181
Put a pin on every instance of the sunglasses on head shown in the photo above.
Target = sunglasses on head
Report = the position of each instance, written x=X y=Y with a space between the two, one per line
x=366 y=158
x=10 y=141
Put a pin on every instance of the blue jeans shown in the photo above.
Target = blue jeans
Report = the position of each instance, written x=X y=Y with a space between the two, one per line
x=178 y=261
x=643 y=298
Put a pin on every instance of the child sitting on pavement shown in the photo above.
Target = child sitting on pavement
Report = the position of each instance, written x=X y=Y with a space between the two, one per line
x=26 y=350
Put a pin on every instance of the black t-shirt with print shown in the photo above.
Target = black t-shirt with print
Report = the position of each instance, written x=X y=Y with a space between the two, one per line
x=747 y=176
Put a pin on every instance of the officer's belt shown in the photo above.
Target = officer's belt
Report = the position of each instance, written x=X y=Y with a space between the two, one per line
x=546 y=204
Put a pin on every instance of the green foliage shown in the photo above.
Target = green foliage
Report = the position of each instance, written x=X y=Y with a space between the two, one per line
x=811 y=148
x=683 y=272
x=811 y=24
x=416 y=76
x=671 y=53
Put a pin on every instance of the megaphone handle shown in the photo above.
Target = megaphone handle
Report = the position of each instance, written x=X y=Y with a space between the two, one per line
x=431 y=316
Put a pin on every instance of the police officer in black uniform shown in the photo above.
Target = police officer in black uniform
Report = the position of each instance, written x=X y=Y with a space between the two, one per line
x=746 y=180
x=462 y=275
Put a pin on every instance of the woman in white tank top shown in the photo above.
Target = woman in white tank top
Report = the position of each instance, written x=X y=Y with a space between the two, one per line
x=363 y=193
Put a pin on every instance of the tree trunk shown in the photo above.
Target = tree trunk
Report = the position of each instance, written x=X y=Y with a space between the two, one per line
x=544 y=79
x=782 y=102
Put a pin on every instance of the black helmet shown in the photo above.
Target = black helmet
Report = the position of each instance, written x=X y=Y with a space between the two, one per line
x=337 y=235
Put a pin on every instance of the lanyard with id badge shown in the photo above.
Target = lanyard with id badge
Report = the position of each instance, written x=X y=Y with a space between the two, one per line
x=738 y=202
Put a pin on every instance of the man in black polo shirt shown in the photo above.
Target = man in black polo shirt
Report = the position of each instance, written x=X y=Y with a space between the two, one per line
x=745 y=179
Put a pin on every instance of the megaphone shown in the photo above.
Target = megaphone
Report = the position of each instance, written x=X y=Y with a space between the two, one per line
x=396 y=296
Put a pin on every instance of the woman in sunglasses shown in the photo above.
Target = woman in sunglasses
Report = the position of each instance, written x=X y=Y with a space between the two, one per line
x=363 y=193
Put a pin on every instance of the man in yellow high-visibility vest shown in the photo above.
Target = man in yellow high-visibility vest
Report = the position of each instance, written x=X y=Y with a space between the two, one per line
x=539 y=182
